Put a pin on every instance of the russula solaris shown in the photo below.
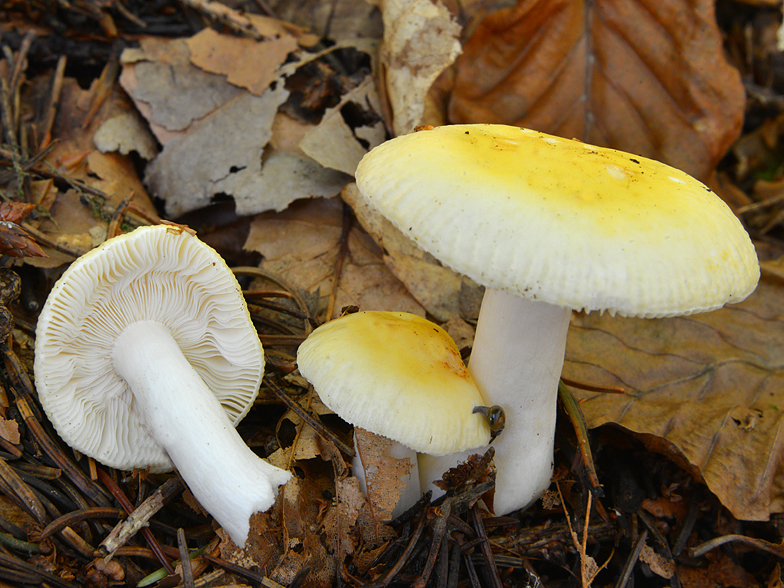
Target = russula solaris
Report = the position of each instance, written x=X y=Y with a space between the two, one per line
x=146 y=357
x=400 y=376
x=550 y=225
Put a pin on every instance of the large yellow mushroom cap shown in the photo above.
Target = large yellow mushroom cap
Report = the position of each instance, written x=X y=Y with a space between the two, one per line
x=396 y=375
x=561 y=221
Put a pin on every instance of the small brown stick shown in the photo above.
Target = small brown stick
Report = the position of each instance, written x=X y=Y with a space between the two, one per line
x=102 y=89
x=77 y=542
x=126 y=504
x=17 y=564
x=660 y=539
x=53 y=103
x=44 y=240
x=268 y=304
x=77 y=516
x=114 y=224
x=9 y=447
x=266 y=294
x=342 y=250
x=226 y=16
x=257 y=272
x=23 y=492
x=20 y=62
x=631 y=561
x=484 y=545
x=122 y=532
x=145 y=215
x=686 y=527
x=235 y=569
x=283 y=340
x=761 y=544
x=70 y=469
x=473 y=577
x=316 y=424
x=578 y=422
x=185 y=560
x=453 y=575
x=592 y=388
x=439 y=531
x=387 y=578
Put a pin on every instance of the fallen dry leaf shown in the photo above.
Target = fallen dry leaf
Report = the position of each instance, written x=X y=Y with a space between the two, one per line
x=384 y=474
x=706 y=389
x=79 y=221
x=245 y=63
x=319 y=142
x=441 y=291
x=124 y=133
x=158 y=70
x=9 y=430
x=420 y=41
x=300 y=245
x=216 y=134
x=644 y=76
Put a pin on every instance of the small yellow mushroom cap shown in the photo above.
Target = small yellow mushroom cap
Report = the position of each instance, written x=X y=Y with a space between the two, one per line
x=558 y=220
x=399 y=376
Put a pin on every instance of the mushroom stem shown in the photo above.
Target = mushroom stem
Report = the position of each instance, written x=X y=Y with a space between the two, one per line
x=516 y=363
x=183 y=415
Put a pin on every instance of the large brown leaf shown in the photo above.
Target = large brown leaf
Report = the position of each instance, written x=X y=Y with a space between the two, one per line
x=644 y=76
x=706 y=389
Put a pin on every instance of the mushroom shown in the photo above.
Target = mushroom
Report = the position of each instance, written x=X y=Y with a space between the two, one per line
x=550 y=225
x=399 y=376
x=146 y=357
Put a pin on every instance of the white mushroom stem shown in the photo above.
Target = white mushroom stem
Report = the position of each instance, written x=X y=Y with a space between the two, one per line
x=516 y=362
x=183 y=415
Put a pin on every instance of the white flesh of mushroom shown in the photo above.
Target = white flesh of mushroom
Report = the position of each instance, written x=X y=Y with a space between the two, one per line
x=183 y=416
x=516 y=362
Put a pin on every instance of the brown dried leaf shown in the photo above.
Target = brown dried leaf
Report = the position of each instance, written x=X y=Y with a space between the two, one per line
x=320 y=141
x=74 y=224
x=706 y=389
x=437 y=288
x=644 y=76
x=420 y=41
x=245 y=63
x=301 y=243
x=159 y=69
x=657 y=563
x=9 y=430
x=384 y=473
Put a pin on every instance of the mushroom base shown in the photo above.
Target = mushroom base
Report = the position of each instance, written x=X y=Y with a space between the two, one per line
x=516 y=362
x=181 y=413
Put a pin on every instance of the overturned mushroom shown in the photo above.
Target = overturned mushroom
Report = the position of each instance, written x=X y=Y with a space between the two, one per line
x=146 y=357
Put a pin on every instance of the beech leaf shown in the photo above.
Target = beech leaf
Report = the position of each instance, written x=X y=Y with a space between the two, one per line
x=705 y=389
x=644 y=76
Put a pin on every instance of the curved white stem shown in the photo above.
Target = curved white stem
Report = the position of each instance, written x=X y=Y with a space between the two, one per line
x=183 y=415
x=516 y=362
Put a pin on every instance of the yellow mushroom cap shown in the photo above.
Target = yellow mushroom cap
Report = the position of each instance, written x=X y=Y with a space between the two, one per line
x=561 y=221
x=399 y=376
